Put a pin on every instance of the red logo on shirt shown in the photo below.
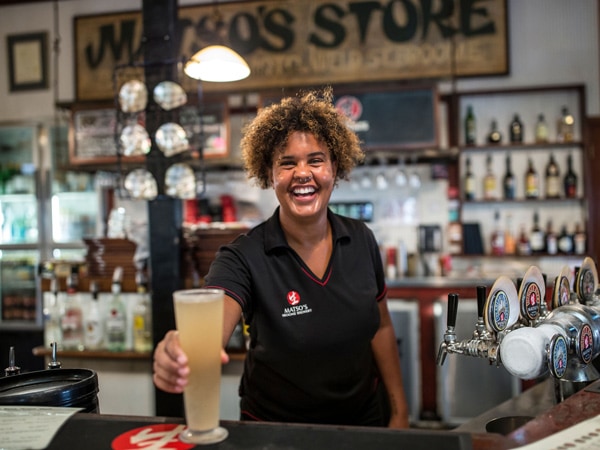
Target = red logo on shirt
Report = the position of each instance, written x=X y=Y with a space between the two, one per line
x=157 y=436
x=293 y=298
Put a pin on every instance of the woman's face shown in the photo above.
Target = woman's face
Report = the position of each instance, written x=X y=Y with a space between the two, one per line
x=303 y=176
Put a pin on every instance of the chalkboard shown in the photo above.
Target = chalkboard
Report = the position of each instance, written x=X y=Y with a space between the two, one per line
x=402 y=119
x=394 y=119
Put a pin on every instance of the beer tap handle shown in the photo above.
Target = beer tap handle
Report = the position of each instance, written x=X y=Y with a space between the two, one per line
x=11 y=369
x=481 y=297
x=452 y=310
x=449 y=335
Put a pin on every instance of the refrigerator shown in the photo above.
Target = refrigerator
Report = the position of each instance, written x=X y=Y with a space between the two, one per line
x=46 y=209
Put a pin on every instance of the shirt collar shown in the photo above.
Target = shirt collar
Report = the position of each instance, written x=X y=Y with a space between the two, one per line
x=274 y=236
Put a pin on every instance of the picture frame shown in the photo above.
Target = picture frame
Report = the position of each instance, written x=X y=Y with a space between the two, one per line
x=27 y=61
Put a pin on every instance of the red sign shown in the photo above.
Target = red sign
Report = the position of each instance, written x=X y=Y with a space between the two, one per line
x=157 y=436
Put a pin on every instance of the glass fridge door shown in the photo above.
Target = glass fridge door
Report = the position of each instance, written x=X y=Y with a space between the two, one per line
x=18 y=289
x=74 y=202
x=20 y=238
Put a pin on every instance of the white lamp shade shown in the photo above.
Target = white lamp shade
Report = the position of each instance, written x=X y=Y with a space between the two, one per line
x=217 y=63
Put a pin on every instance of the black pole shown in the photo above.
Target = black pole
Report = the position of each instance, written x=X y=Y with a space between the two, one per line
x=164 y=213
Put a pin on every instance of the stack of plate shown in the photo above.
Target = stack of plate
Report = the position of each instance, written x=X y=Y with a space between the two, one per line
x=104 y=255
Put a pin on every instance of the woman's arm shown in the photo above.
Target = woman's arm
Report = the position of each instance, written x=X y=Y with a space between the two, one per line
x=170 y=366
x=385 y=350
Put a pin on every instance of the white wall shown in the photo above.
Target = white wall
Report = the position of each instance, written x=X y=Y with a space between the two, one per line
x=551 y=42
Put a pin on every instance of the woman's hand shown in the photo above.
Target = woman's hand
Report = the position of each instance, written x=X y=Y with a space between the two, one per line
x=171 y=369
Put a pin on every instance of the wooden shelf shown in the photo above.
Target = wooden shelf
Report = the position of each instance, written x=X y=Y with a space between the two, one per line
x=93 y=354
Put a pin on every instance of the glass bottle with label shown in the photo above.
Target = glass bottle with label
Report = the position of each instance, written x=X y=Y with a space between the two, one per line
x=551 y=239
x=579 y=240
x=510 y=243
x=570 y=180
x=497 y=238
x=469 y=181
x=541 y=130
x=516 y=130
x=489 y=180
x=508 y=183
x=523 y=247
x=470 y=127
x=93 y=330
x=72 y=319
x=52 y=316
x=552 y=178
x=531 y=181
x=142 y=322
x=537 y=239
x=566 y=126
x=494 y=136
x=116 y=319
x=565 y=241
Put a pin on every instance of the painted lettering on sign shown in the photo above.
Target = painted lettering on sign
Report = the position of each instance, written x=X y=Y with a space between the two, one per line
x=289 y=43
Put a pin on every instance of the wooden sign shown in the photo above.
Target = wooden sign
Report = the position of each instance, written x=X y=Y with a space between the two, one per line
x=313 y=42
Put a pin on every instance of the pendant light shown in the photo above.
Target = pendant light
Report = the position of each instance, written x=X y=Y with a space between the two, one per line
x=217 y=62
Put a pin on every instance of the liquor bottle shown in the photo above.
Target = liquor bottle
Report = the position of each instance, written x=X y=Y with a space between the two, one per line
x=566 y=126
x=570 y=180
x=509 y=182
x=523 y=246
x=72 y=319
x=489 y=180
x=52 y=316
x=541 y=130
x=116 y=319
x=469 y=181
x=142 y=321
x=551 y=239
x=537 y=240
x=516 y=130
x=510 y=243
x=579 y=240
x=470 y=127
x=494 y=136
x=531 y=181
x=565 y=241
x=552 y=178
x=93 y=329
x=497 y=238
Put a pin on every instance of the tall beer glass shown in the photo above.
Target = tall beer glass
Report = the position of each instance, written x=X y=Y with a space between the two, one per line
x=199 y=318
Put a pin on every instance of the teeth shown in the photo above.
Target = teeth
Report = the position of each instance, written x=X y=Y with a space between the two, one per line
x=304 y=190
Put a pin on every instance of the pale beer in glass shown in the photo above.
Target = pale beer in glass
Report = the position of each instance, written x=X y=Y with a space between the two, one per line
x=199 y=318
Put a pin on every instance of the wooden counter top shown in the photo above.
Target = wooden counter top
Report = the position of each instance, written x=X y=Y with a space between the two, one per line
x=93 y=354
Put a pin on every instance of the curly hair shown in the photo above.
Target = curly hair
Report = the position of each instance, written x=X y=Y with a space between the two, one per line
x=312 y=112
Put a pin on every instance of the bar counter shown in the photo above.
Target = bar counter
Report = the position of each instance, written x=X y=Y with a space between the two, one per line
x=99 y=431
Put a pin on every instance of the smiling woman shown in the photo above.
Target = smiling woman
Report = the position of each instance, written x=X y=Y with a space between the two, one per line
x=309 y=283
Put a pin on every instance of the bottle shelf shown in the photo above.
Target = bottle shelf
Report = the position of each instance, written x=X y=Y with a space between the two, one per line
x=518 y=255
x=522 y=201
x=544 y=146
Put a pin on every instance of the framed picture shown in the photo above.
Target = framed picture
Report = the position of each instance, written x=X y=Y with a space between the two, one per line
x=27 y=61
x=210 y=123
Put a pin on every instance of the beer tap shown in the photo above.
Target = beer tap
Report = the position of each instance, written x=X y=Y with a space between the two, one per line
x=481 y=331
x=519 y=331
x=482 y=344
x=450 y=334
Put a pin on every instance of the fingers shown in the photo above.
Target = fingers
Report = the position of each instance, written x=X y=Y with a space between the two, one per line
x=224 y=356
x=170 y=365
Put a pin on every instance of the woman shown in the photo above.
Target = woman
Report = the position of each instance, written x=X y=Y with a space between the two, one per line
x=309 y=284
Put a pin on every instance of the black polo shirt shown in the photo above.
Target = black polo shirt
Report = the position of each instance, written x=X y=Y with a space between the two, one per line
x=310 y=357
